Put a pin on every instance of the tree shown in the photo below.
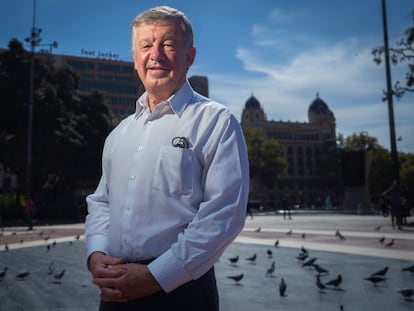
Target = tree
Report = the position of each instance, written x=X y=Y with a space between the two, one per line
x=402 y=52
x=407 y=173
x=359 y=141
x=69 y=129
x=380 y=167
x=265 y=160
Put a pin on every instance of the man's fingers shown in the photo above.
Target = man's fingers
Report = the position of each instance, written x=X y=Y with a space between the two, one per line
x=112 y=294
x=108 y=272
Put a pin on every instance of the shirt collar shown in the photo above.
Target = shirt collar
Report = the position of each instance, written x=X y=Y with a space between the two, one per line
x=178 y=101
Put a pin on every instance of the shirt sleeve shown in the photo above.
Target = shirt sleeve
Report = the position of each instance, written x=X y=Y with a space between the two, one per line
x=97 y=220
x=220 y=216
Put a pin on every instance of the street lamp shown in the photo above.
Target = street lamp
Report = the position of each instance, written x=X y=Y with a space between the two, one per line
x=34 y=41
x=52 y=45
x=389 y=95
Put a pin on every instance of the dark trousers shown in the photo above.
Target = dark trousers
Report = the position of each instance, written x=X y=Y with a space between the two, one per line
x=200 y=295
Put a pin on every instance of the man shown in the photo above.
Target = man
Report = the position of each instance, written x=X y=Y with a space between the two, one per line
x=393 y=196
x=174 y=183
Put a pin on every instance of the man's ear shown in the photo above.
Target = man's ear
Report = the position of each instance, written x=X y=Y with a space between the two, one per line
x=191 y=54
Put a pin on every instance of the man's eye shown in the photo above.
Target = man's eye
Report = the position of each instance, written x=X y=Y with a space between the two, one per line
x=169 y=45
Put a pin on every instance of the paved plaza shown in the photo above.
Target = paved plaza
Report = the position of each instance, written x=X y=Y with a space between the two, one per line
x=355 y=246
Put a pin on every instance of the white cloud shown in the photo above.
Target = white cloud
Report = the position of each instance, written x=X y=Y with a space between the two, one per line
x=285 y=72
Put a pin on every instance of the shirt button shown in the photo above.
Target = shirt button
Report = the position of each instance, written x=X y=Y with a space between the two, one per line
x=132 y=176
x=140 y=148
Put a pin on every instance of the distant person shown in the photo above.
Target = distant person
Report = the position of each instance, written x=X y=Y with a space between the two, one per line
x=174 y=184
x=249 y=211
x=384 y=207
x=286 y=208
x=29 y=211
x=393 y=196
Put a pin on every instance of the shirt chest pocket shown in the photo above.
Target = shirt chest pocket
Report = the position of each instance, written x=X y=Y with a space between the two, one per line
x=174 y=171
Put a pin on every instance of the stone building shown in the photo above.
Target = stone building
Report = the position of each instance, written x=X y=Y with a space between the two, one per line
x=312 y=178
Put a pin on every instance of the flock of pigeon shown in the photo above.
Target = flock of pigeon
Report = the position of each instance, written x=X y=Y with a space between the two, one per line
x=56 y=277
x=308 y=262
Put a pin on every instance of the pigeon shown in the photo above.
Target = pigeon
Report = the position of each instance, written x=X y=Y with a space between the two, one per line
x=335 y=282
x=381 y=272
x=382 y=239
x=3 y=273
x=258 y=229
x=276 y=243
x=233 y=260
x=304 y=250
x=407 y=293
x=378 y=228
x=319 y=283
x=22 y=276
x=374 y=279
x=51 y=268
x=339 y=235
x=269 y=253
x=302 y=256
x=319 y=269
x=58 y=277
x=309 y=262
x=269 y=272
x=389 y=244
x=289 y=232
x=236 y=278
x=252 y=259
x=282 y=288
x=303 y=235
x=6 y=247
x=77 y=237
x=409 y=269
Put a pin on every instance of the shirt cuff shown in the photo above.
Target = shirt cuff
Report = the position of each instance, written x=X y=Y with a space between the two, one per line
x=169 y=272
x=97 y=243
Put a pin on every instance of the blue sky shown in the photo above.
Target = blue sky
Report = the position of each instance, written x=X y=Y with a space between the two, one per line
x=283 y=52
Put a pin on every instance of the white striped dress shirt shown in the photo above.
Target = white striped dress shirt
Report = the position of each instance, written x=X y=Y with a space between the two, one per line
x=182 y=206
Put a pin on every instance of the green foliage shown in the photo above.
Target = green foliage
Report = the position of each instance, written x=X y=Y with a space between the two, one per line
x=407 y=172
x=380 y=174
x=360 y=141
x=265 y=159
x=68 y=129
x=403 y=51
x=10 y=204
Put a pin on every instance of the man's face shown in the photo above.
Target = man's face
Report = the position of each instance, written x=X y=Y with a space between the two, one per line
x=161 y=57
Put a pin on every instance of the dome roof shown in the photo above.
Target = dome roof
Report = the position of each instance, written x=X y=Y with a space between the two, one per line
x=319 y=106
x=252 y=102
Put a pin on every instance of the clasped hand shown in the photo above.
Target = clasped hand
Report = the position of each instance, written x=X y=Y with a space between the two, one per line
x=120 y=281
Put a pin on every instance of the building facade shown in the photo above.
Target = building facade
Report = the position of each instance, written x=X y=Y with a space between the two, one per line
x=312 y=178
x=116 y=79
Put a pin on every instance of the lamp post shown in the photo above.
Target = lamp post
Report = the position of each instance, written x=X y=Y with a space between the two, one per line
x=34 y=41
x=389 y=96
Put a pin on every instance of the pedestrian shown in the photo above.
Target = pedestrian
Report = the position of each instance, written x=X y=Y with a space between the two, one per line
x=286 y=208
x=174 y=184
x=384 y=206
x=29 y=210
x=393 y=196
